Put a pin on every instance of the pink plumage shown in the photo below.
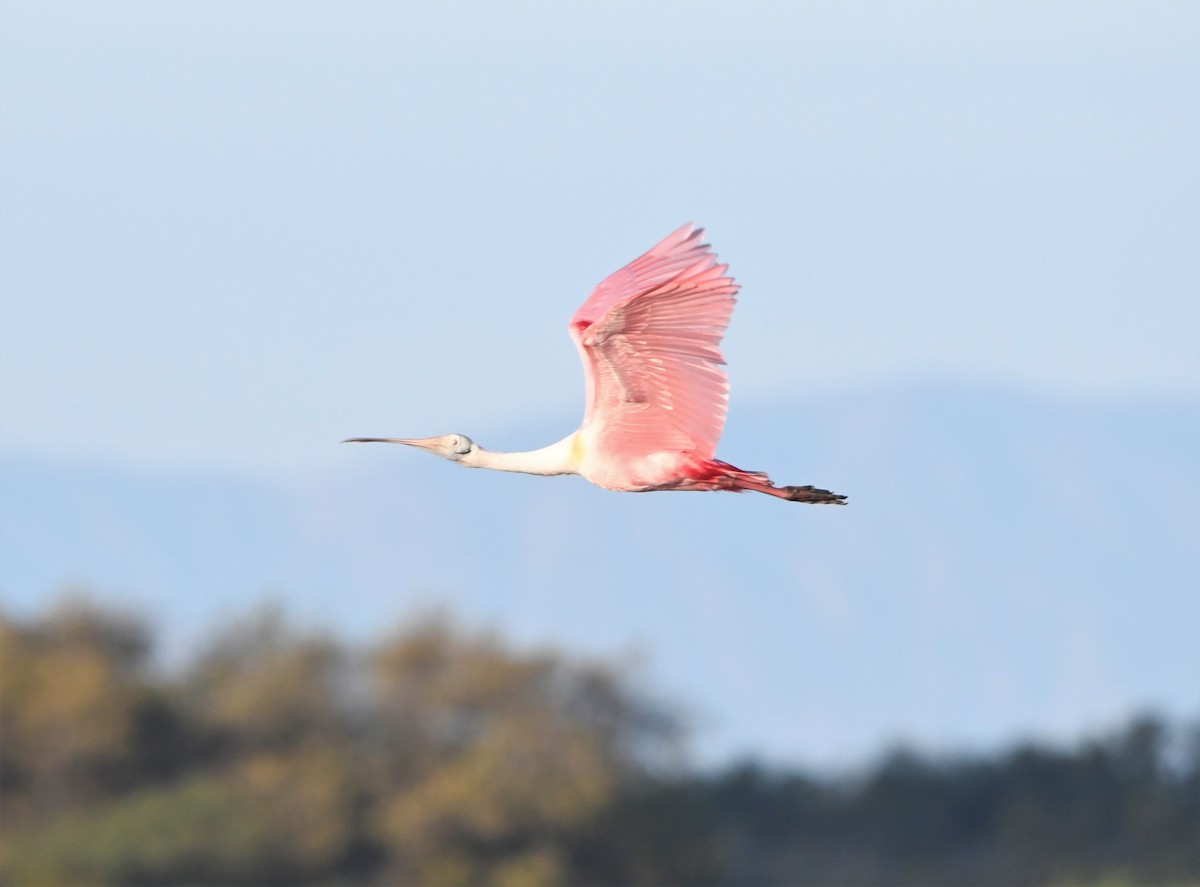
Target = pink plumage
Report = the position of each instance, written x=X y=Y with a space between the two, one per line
x=650 y=339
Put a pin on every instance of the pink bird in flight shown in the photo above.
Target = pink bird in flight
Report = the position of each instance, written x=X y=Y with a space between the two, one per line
x=650 y=337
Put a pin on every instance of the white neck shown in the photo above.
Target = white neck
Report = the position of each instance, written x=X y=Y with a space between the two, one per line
x=554 y=459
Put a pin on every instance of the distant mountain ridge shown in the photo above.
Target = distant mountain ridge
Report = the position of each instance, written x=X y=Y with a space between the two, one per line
x=1006 y=562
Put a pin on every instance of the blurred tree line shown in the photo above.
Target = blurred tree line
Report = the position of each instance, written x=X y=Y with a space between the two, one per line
x=439 y=756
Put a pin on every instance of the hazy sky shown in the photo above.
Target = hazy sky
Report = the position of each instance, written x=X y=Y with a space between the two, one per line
x=233 y=233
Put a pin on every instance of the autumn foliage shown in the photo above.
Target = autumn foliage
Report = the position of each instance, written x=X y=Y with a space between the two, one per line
x=439 y=756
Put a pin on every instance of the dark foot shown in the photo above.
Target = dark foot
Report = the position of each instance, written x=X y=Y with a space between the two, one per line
x=813 y=496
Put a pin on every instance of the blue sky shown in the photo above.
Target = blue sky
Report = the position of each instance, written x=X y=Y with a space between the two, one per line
x=234 y=233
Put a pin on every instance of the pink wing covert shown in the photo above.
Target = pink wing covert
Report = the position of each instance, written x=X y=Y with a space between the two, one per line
x=650 y=337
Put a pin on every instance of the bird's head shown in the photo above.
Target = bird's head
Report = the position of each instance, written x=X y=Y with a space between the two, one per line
x=449 y=446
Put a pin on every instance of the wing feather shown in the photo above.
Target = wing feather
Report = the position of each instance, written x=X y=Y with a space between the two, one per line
x=650 y=339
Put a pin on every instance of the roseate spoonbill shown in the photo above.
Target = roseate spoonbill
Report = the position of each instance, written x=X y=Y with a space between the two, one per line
x=650 y=337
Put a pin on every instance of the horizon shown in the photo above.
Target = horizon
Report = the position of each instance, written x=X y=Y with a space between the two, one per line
x=955 y=619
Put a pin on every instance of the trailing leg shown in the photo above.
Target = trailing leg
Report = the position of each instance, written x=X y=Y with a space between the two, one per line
x=810 y=494
x=717 y=475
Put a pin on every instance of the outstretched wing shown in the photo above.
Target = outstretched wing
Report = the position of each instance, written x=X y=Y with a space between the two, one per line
x=650 y=338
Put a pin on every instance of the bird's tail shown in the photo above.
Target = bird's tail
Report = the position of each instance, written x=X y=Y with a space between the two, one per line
x=713 y=474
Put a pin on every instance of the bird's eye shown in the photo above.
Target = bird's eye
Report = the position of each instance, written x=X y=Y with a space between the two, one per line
x=460 y=445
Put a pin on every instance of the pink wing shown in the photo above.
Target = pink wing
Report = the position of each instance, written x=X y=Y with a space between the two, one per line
x=650 y=337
